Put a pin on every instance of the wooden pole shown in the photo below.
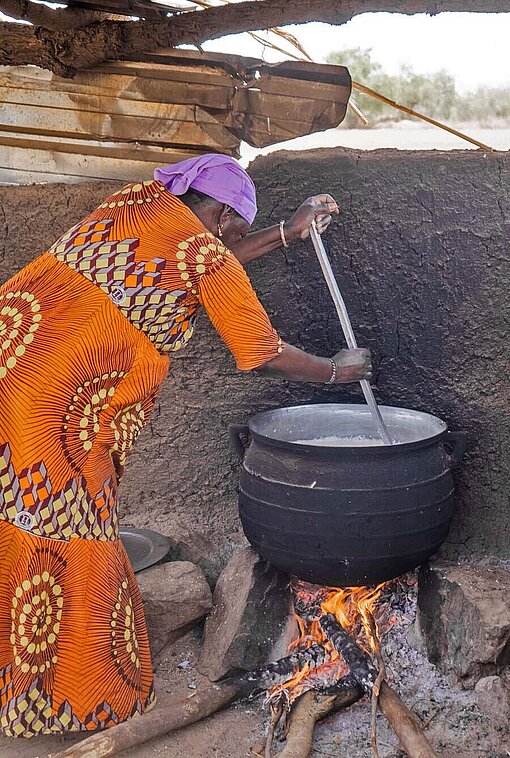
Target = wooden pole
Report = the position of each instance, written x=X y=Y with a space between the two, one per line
x=312 y=707
x=416 y=114
x=170 y=714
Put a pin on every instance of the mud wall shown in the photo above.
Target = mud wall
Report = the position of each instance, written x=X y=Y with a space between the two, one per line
x=421 y=251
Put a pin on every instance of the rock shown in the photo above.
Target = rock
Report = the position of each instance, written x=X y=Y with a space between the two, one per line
x=175 y=596
x=464 y=616
x=251 y=616
x=493 y=695
x=197 y=549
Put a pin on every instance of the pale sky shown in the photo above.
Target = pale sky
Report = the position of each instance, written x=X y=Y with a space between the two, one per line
x=474 y=47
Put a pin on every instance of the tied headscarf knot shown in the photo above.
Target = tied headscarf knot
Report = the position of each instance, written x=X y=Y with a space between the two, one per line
x=217 y=176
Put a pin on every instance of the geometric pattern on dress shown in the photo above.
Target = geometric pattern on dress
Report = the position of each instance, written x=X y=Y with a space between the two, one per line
x=127 y=425
x=124 y=640
x=6 y=684
x=81 y=421
x=32 y=713
x=131 y=284
x=27 y=500
x=20 y=319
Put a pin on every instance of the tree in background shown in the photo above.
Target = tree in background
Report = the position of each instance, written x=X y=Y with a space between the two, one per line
x=434 y=94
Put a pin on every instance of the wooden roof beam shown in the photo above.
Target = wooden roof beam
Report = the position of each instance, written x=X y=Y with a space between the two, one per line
x=49 y=18
x=63 y=52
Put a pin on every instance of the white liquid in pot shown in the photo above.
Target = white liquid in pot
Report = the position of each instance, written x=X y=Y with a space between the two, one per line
x=334 y=441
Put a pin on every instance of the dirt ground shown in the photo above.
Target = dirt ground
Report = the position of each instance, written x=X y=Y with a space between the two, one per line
x=457 y=728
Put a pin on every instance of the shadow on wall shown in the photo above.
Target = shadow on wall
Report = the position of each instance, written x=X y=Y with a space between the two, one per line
x=421 y=253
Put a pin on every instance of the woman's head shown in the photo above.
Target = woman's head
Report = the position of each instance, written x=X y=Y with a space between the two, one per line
x=217 y=189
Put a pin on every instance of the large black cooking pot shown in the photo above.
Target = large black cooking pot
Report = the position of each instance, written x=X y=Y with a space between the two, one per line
x=347 y=515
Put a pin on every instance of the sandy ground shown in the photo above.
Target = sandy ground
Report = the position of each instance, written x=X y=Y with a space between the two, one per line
x=404 y=135
x=457 y=728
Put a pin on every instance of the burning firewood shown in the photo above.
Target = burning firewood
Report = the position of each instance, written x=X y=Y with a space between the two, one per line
x=402 y=721
x=281 y=671
x=312 y=706
x=359 y=664
x=329 y=668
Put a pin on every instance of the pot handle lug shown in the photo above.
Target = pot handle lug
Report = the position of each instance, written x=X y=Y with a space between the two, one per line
x=458 y=442
x=237 y=432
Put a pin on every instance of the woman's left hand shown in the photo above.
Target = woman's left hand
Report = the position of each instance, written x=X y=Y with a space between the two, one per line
x=319 y=208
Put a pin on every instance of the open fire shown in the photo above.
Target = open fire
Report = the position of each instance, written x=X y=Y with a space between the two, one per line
x=356 y=609
x=336 y=659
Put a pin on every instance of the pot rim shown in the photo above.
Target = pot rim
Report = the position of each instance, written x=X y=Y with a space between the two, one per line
x=346 y=449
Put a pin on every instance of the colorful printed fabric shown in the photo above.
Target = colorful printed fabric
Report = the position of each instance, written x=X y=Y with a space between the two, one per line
x=85 y=335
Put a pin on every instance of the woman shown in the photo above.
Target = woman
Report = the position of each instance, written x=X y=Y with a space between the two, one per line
x=86 y=331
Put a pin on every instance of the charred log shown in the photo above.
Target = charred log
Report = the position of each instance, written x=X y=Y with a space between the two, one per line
x=347 y=684
x=360 y=665
x=281 y=671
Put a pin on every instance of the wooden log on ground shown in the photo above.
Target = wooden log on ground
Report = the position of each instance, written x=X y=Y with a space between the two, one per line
x=404 y=724
x=172 y=713
x=401 y=719
x=312 y=707
x=169 y=714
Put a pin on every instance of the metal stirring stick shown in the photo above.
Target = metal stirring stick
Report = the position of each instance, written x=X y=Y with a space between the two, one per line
x=347 y=327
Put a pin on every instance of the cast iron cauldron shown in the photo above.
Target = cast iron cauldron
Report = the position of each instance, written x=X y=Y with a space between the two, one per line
x=349 y=515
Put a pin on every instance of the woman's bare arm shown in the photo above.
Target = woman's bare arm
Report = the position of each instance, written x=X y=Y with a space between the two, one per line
x=299 y=366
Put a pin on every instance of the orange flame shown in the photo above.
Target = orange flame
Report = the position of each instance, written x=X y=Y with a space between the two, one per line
x=354 y=608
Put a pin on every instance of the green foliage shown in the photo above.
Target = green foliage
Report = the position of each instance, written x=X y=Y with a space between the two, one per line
x=435 y=94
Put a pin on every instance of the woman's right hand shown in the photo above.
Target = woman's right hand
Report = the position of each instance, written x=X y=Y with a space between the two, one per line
x=296 y=365
x=353 y=365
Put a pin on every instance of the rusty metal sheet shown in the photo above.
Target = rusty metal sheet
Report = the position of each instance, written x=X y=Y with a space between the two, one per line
x=178 y=100
x=270 y=102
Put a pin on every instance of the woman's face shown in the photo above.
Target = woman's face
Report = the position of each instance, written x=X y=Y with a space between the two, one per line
x=233 y=227
x=222 y=221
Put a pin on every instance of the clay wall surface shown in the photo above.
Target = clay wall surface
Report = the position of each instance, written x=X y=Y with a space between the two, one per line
x=421 y=252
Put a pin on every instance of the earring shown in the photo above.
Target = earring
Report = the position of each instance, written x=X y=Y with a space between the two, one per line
x=220 y=231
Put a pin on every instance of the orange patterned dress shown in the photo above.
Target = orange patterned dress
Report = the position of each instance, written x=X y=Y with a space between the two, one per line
x=85 y=333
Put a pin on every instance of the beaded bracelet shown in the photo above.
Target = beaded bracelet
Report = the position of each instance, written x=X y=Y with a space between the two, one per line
x=332 y=378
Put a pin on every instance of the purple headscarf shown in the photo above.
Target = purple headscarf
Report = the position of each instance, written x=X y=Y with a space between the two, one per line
x=218 y=176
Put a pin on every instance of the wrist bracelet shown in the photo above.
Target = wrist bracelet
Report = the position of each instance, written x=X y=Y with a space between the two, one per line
x=282 y=235
x=332 y=378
